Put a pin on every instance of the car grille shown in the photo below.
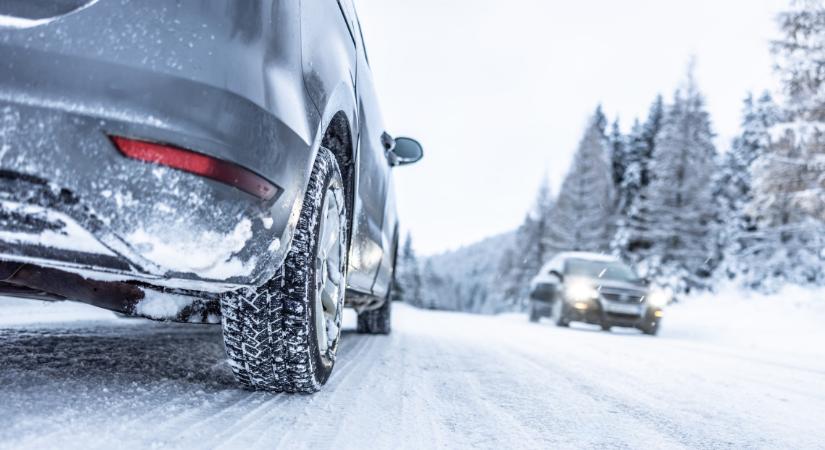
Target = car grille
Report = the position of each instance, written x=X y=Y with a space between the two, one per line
x=622 y=296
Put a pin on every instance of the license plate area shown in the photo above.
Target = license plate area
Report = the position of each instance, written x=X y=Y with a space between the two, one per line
x=623 y=308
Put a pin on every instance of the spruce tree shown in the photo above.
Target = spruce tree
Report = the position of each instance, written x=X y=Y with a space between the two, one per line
x=531 y=249
x=738 y=234
x=789 y=179
x=676 y=212
x=583 y=217
x=630 y=241
x=408 y=275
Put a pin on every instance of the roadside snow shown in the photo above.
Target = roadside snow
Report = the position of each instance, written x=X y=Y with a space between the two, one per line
x=726 y=372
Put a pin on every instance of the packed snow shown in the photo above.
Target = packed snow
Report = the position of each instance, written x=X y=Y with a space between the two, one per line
x=66 y=235
x=728 y=370
x=209 y=255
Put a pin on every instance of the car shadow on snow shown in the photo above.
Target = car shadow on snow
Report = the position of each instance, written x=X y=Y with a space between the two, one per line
x=140 y=353
x=595 y=329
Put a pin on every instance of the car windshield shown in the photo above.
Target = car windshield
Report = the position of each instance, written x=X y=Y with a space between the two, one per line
x=600 y=269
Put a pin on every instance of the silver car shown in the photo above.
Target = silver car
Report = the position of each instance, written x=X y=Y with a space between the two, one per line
x=595 y=289
x=217 y=161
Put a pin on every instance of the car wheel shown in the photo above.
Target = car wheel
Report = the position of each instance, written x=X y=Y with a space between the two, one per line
x=605 y=327
x=651 y=329
x=283 y=335
x=534 y=314
x=376 y=321
x=559 y=318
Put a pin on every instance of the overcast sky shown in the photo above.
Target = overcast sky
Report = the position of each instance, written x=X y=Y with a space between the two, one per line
x=498 y=92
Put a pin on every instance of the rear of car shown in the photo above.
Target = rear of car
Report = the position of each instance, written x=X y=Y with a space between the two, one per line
x=137 y=142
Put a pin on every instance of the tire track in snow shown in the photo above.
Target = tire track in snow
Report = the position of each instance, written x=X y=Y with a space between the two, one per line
x=319 y=425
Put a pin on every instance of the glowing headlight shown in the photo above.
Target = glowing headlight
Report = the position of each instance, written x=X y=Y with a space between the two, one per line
x=658 y=298
x=580 y=291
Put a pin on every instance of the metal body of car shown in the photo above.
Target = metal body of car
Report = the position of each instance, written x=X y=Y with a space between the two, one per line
x=238 y=98
x=596 y=289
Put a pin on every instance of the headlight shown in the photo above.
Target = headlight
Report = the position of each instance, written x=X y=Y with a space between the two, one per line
x=658 y=298
x=580 y=291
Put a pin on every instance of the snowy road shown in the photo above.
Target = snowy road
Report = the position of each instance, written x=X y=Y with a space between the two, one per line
x=75 y=377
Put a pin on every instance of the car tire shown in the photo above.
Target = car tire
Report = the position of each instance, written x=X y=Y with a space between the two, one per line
x=605 y=327
x=651 y=329
x=559 y=318
x=533 y=314
x=377 y=321
x=274 y=334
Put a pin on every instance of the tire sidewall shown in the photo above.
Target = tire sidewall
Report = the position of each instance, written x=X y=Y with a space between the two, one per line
x=331 y=178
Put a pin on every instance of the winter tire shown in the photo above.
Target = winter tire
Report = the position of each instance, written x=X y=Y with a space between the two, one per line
x=377 y=321
x=283 y=335
x=534 y=314
x=559 y=318
x=651 y=329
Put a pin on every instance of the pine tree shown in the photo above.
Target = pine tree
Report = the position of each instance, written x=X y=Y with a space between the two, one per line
x=789 y=179
x=632 y=210
x=408 y=275
x=733 y=190
x=583 y=216
x=677 y=210
x=521 y=263
x=618 y=153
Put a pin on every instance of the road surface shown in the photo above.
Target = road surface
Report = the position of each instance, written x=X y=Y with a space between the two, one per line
x=76 y=377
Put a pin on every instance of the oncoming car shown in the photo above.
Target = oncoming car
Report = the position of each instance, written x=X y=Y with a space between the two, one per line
x=201 y=161
x=595 y=289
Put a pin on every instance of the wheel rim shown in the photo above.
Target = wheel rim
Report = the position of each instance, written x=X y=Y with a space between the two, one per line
x=329 y=273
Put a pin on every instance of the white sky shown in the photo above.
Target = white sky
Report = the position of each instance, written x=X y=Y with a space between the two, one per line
x=498 y=91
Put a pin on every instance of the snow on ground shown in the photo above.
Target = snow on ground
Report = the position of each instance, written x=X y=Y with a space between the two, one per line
x=726 y=372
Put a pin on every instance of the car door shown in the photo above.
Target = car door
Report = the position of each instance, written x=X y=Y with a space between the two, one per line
x=369 y=238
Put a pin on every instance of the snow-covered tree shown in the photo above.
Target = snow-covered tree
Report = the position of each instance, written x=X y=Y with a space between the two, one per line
x=408 y=275
x=675 y=214
x=789 y=179
x=733 y=189
x=522 y=262
x=584 y=213
x=632 y=211
x=618 y=153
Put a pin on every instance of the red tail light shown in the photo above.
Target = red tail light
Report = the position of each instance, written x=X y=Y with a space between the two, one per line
x=197 y=163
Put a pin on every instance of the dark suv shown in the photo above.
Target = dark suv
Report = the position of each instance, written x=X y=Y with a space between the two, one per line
x=596 y=289
x=201 y=161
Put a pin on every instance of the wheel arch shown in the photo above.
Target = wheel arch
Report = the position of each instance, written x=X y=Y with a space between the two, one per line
x=338 y=138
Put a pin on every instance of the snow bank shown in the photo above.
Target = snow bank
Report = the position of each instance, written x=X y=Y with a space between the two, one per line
x=783 y=322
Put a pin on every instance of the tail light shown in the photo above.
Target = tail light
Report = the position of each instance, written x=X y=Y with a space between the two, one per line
x=198 y=164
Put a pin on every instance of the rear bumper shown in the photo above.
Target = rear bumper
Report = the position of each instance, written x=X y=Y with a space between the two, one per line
x=151 y=223
x=216 y=77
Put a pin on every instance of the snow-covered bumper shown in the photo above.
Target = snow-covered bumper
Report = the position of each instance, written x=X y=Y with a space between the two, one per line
x=68 y=198
x=72 y=205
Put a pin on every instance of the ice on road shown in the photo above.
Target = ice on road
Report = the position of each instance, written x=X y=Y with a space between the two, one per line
x=76 y=377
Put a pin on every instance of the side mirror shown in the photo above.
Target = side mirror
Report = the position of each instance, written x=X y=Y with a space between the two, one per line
x=405 y=151
x=558 y=275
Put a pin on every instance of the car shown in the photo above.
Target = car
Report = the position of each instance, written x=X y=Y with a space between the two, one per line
x=595 y=289
x=201 y=161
